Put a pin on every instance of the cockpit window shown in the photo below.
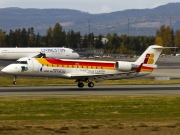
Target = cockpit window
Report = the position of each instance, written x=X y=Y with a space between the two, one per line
x=23 y=62
x=20 y=62
x=73 y=52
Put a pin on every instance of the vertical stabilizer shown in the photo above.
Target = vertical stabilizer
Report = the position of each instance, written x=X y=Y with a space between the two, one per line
x=150 y=56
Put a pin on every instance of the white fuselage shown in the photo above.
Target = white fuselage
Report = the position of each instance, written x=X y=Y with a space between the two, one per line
x=36 y=67
x=83 y=70
x=16 y=53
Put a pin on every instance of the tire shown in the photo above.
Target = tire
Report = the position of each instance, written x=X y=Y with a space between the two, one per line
x=90 y=84
x=14 y=82
x=80 y=85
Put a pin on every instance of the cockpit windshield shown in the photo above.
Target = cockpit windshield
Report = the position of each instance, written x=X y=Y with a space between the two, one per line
x=20 y=62
x=74 y=52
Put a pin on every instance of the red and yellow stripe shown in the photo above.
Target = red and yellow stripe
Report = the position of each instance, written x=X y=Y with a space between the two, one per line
x=75 y=63
x=52 y=62
x=146 y=69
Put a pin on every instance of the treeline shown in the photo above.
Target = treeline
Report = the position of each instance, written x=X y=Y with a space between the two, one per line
x=57 y=37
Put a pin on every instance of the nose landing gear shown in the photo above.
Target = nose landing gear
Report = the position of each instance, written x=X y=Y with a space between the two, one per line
x=15 y=82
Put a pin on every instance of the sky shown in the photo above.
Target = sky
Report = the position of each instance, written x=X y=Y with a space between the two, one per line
x=91 y=6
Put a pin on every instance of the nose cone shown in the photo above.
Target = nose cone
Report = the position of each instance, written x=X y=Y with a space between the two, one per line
x=5 y=70
x=76 y=55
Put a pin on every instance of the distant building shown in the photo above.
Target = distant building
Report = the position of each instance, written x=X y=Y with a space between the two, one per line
x=104 y=40
x=86 y=52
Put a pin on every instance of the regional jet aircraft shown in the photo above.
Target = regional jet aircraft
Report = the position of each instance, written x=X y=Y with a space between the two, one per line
x=83 y=70
x=16 y=53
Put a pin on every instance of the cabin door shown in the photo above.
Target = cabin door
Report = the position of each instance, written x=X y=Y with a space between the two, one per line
x=33 y=65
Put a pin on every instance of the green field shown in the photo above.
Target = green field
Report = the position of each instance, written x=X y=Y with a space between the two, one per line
x=87 y=115
x=90 y=115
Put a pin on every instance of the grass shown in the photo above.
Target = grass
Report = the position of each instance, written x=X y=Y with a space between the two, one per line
x=87 y=115
x=22 y=81
x=98 y=107
x=90 y=115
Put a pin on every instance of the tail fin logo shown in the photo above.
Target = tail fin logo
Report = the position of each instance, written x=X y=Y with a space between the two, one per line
x=149 y=59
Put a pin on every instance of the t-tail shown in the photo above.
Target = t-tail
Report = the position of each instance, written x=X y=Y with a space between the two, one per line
x=148 y=59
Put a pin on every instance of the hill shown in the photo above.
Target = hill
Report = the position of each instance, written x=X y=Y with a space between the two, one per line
x=133 y=22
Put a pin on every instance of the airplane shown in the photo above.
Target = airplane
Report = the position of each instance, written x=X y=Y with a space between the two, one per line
x=55 y=52
x=85 y=70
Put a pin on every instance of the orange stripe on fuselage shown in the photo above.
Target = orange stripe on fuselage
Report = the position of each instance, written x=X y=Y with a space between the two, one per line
x=146 y=69
x=84 y=64
x=93 y=64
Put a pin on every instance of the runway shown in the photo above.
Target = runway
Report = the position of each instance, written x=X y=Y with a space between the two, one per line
x=97 y=90
x=167 y=67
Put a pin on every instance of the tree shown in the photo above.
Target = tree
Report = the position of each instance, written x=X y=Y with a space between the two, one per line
x=107 y=47
x=49 y=37
x=98 y=42
x=58 y=36
x=2 y=38
x=84 y=42
x=166 y=34
x=73 y=39
x=11 y=39
x=23 y=38
x=159 y=41
x=90 y=39
x=31 y=35
x=177 y=38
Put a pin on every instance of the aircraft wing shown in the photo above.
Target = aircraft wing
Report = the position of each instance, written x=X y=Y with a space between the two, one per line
x=98 y=78
x=102 y=77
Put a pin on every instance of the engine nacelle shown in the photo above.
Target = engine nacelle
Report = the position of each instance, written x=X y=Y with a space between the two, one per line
x=125 y=66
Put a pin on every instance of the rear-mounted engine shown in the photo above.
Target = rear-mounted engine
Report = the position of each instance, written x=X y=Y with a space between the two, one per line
x=125 y=66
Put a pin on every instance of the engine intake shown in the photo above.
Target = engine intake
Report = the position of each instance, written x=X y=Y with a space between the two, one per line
x=125 y=66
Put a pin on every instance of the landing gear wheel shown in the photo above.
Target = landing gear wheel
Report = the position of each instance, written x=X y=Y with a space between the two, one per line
x=14 y=82
x=80 y=85
x=90 y=84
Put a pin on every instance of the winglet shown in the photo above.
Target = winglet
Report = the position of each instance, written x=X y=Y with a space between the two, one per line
x=139 y=68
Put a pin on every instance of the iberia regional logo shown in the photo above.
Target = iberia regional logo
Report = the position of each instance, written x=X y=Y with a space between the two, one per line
x=149 y=59
x=23 y=68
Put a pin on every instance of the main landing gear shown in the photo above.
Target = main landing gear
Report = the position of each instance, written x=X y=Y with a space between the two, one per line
x=90 y=84
x=80 y=84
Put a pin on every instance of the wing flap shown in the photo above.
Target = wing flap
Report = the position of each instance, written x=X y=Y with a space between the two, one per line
x=102 y=77
x=99 y=78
